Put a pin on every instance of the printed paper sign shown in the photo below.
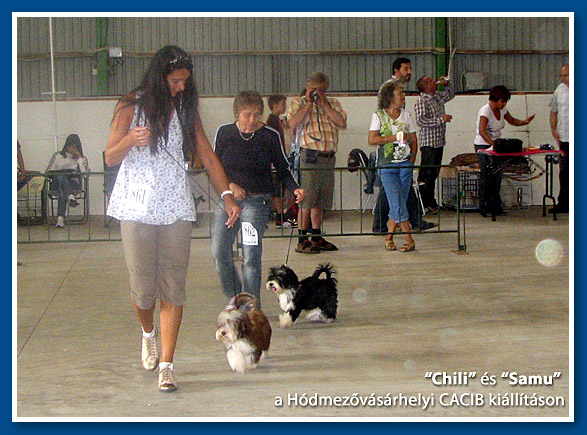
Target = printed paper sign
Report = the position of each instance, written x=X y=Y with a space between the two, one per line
x=138 y=197
x=250 y=236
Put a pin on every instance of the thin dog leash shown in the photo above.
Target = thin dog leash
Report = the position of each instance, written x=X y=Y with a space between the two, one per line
x=164 y=148
x=289 y=245
x=179 y=112
x=292 y=227
x=182 y=167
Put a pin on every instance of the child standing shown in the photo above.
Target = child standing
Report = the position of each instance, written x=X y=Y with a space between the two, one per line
x=285 y=208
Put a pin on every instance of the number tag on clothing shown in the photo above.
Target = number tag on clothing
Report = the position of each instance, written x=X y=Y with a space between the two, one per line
x=137 y=198
x=250 y=236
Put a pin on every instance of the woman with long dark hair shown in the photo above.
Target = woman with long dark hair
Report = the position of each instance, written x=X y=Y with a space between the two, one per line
x=155 y=128
x=69 y=163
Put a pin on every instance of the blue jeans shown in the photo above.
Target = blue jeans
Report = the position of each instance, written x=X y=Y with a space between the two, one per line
x=255 y=211
x=64 y=185
x=397 y=182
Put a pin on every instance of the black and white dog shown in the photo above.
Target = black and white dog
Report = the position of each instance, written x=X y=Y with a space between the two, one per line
x=314 y=294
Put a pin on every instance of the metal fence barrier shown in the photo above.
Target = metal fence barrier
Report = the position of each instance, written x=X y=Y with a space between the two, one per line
x=352 y=213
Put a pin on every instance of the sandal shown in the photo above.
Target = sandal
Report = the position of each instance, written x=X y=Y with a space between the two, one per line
x=408 y=246
x=389 y=245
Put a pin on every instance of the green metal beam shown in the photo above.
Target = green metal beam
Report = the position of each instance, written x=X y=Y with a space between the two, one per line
x=102 y=82
x=441 y=45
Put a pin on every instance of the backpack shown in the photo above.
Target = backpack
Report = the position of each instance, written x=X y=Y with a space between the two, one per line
x=357 y=159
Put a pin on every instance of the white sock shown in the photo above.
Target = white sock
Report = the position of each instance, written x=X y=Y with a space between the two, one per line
x=148 y=334
x=164 y=365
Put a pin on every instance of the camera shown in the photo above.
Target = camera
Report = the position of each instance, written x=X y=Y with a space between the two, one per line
x=314 y=96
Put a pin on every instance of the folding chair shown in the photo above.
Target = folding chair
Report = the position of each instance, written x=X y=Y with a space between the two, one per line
x=81 y=195
x=30 y=201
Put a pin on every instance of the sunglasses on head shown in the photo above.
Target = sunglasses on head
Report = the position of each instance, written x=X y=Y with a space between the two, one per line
x=180 y=60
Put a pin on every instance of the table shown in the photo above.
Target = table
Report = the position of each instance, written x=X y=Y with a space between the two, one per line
x=550 y=158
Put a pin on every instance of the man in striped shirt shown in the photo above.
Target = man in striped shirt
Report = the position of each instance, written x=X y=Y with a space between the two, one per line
x=320 y=118
x=432 y=119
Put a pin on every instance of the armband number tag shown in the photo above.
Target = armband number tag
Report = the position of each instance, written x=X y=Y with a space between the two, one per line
x=250 y=236
x=137 y=198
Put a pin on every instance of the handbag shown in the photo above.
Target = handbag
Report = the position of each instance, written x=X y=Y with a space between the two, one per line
x=507 y=146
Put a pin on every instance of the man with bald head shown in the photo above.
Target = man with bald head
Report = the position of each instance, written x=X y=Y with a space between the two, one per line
x=559 y=126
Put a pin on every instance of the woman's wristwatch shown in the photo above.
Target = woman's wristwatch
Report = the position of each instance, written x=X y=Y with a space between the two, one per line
x=226 y=192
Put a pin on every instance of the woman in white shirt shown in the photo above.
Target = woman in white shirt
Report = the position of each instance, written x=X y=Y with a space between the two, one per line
x=393 y=130
x=69 y=162
x=154 y=128
x=491 y=120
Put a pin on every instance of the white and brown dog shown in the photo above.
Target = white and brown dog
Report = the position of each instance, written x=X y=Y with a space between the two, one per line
x=245 y=332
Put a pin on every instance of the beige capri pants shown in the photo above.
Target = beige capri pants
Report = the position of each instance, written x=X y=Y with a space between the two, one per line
x=157 y=258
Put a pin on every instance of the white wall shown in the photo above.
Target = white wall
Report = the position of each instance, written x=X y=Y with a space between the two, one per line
x=90 y=119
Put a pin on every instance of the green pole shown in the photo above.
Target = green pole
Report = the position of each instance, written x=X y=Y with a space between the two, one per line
x=102 y=83
x=441 y=45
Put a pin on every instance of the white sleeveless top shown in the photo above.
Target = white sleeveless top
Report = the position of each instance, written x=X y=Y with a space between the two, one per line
x=494 y=125
x=153 y=189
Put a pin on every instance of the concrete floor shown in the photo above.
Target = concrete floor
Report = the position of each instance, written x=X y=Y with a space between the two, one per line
x=492 y=310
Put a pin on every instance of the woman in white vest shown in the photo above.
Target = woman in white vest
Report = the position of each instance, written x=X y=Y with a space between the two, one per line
x=393 y=130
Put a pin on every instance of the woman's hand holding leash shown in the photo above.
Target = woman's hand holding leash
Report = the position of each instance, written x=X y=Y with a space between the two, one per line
x=140 y=136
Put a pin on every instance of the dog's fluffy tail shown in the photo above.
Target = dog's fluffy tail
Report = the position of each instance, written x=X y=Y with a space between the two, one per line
x=244 y=302
x=327 y=269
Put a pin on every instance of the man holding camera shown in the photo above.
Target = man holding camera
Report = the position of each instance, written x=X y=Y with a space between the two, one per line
x=319 y=119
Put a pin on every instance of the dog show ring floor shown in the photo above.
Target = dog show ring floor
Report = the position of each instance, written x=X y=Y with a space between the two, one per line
x=427 y=334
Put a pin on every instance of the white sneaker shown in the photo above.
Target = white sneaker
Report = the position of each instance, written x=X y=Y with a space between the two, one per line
x=167 y=380
x=149 y=353
x=60 y=222
x=73 y=201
